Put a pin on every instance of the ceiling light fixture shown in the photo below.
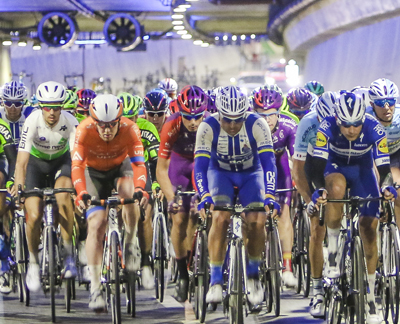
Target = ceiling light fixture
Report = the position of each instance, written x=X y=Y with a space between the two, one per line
x=7 y=42
x=198 y=42
x=182 y=32
x=179 y=9
x=22 y=43
x=243 y=37
x=205 y=45
x=36 y=46
x=177 y=22
x=253 y=36
x=186 y=6
x=216 y=38
x=225 y=38
x=186 y=36
x=234 y=38
x=177 y=16
x=179 y=27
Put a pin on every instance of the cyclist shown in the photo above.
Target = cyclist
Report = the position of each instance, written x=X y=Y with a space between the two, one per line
x=346 y=149
x=85 y=98
x=299 y=101
x=234 y=148
x=175 y=167
x=108 y=151
x=383 y=94
x=315 y=87
x=156 y=106
x=13 y=111
x=170 y=86
x=267 y=102
x=71 y=102
x=151 y=143
x=303 y=151
x=44 y=151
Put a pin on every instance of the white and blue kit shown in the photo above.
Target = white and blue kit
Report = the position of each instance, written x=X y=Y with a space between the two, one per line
x=16 y=127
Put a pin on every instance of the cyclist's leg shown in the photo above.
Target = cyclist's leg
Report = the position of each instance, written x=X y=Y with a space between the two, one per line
x=4 y=233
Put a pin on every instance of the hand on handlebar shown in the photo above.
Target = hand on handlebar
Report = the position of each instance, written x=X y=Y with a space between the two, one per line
x=270 y=203
x=205 y=205
x=389 y=193
x=142 y=197
x=82 y=201
x=319 y=197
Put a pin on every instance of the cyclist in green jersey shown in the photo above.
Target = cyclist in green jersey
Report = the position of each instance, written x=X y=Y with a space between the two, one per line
x=151 y=142
x=8 y=155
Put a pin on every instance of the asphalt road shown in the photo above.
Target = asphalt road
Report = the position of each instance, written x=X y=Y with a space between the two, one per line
x=294 y=309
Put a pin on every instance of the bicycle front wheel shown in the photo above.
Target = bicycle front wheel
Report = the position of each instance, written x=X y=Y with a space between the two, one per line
x=21 y=258
x=159 y=260
x=52 y=269
x=236 y=290
x=304 y=241
x=201 y=271
x=394 y=277
x=115 y=293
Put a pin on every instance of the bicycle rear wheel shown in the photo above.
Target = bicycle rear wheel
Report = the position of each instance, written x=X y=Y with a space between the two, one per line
x=201 y=271
x=159 y=260
x=131 y=293
x=68 y=294
x=357 y=301
x=335 y=308
x=115 y=293
x=236 y=292
x=304 y=264
x=21 y=258
x=394 y=277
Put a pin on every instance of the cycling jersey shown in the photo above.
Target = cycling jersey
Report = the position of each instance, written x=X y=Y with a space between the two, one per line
x=47 y=142
x=92 y=151
x=306 y=136
x=243 y=153
x=392 y=131
x=7 y=149
x=16 y=127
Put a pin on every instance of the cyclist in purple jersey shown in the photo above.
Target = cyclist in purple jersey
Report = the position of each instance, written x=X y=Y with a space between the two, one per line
x=267 y=102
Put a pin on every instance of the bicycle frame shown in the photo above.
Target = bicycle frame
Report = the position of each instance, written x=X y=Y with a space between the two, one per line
x=159 y=216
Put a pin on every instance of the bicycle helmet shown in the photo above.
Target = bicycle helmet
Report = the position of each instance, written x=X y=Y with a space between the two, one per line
x=86 y=97
x=168 y=85
x=14 y=91
x=73 y=88
x=51 y=91
x=156 y=100
x=350 y=109
x=326 y=105
x=267 y=98
x=106 y=108
x=363 y=92
x=383 y=89
x=130 y=103
x=315 y=87
x=192 y=100
x=71 y=100
x=299 y=101
x=231 y=102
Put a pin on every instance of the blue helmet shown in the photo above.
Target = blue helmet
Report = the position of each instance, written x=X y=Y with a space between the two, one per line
x=156 y=100
x=350 y=109
x=326 y=105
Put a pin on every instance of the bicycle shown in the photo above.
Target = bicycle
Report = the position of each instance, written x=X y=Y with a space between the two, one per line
x=51 y=260
x=346 y=294
x=301 y=240
x=199 y=268
x=235 y=285
x=389 y=258
x=113 y=260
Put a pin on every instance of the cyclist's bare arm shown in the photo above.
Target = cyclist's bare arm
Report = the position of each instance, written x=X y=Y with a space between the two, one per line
x=299 y=177
x=20 y=168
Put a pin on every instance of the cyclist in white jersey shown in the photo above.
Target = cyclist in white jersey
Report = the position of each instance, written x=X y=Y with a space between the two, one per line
x=383 y=94
x=44 y=150
x=13 y=111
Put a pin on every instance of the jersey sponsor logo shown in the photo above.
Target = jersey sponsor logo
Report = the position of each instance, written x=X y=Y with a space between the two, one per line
x=77 y=157
x=77 y=181
x=5 y=132
x=22 y=143
x=325 y=125
x=63 y=128
x=148 y=135
x=382 y=146
x=140 y=152
x=42 y=138
x=379 y=129
x=321 y=140
x=142 y=177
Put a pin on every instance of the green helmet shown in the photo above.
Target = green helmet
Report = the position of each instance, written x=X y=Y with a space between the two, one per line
x=71 y=100
x=315 y=87
x=130 y=103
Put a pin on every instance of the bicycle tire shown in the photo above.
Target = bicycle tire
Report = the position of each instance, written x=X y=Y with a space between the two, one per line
x=131 y=294
x=275 y=273
x=203 y=276
x=115 y=293
x=68 y=295
x=334 y=315
x=357 y=307
x=159 y=261
x=394 y=278
x=236 y=293
x=21 y=249
x=296 y=268
x=52 y=269
x=305 y=265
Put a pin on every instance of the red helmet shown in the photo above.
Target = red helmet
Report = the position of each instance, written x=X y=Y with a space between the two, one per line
x=86 y=97
x=192 y=100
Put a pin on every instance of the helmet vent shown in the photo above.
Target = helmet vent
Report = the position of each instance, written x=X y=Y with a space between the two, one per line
x=106 y=107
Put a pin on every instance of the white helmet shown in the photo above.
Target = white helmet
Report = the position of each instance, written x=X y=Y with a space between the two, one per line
x=383 y=89
x=106 y=108
x=351 y=108
x=168 y=85
x=231 y=101
x=51 y=91
x=326 y=105
x=14 y=91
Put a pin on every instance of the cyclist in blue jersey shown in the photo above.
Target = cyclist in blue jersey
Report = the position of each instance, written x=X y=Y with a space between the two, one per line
x=234 y=148
x=347 y=147
x=13 y=111
x=300 y=101
x=382 y=95
x=303 y=150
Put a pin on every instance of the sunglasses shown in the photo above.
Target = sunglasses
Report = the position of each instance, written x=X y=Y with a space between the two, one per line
x=191 y=117
x=235 y=120
x=382 y=102
x=82 y=112
x=104 y=125
x=17 y=104
x=349 y=124
x=50 y=107
x=268 y=114
x=155 y=113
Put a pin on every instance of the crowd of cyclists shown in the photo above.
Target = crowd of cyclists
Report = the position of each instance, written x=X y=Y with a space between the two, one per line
x=213 y=142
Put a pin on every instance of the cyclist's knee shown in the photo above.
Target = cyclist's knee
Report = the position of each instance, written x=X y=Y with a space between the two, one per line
x=221 y=219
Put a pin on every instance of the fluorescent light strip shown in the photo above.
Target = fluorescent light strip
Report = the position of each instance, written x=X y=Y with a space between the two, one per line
x=90 y=41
